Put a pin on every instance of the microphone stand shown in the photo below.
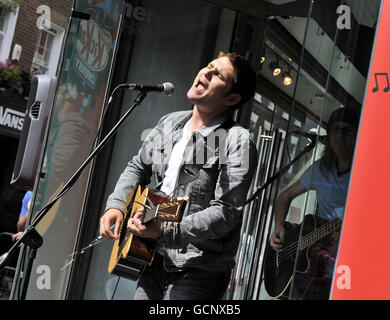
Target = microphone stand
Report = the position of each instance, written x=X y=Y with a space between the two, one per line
x=30 y=237
x=280 y=172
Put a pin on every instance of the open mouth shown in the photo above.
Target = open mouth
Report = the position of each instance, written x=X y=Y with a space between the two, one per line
x=200 y=86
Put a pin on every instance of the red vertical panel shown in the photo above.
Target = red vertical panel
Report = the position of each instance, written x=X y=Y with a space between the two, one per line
x=363 y=264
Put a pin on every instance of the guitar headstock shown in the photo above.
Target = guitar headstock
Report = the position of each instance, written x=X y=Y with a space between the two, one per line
x=169 y=210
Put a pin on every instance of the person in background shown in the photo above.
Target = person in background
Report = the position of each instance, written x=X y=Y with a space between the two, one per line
x=329 y=177
x=21 y=224
x=10 y=206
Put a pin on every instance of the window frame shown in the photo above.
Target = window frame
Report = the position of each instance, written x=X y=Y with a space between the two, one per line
x=8 y=33
x=55 y=50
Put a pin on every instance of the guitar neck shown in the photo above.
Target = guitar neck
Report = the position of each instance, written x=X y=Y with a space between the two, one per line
x=319 y=233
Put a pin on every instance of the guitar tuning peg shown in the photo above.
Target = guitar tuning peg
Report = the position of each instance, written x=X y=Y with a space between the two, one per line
x=185 y=198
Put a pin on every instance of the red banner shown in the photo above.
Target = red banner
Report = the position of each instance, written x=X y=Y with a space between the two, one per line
x=363 y=263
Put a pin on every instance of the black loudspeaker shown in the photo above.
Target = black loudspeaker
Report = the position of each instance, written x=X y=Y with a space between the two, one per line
x=31 y=141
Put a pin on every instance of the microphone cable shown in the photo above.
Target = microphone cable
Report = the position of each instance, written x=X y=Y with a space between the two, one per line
x=116 y=286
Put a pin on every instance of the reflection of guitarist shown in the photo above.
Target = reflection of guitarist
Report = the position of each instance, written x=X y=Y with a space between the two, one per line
x=329 y=177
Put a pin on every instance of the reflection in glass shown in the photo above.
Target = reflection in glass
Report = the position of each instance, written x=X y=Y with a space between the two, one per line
x=311 y=248
x=329 y=69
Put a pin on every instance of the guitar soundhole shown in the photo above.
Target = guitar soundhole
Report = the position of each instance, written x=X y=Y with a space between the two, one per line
x=138 y=252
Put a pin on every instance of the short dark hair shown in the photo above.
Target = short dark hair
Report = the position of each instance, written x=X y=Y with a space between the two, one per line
x=244 y=82
x=347 y=114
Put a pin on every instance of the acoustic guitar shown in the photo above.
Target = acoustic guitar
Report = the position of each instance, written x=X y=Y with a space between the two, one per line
x=131 y=254
x=279 y=266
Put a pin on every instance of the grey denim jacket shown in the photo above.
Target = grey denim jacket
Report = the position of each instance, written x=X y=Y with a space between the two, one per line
x=216 y=172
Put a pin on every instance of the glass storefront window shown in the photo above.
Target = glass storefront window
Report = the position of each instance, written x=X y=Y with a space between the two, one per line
x=74 y=121
x=316 y=112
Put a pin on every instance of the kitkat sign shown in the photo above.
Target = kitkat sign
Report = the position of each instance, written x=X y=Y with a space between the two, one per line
x=94 y=45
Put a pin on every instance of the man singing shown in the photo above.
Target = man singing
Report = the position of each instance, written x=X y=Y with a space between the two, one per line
x=205 y=155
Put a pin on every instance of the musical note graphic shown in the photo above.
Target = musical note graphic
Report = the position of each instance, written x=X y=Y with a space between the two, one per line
x=376 y=81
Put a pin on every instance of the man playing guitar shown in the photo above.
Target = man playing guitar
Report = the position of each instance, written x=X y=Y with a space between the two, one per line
x=205 y=155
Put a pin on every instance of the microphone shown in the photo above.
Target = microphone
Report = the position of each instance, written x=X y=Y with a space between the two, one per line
x=166 y=88
x=311 y=136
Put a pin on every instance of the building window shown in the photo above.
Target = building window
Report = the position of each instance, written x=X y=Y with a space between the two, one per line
x=3 y=27
x=43 y=50
x=47 y=50
x=7 y=29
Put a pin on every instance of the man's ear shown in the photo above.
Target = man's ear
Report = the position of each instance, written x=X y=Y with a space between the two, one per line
x=232 y=99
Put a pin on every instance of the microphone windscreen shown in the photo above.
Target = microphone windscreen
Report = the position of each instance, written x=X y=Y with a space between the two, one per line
x=168 y=88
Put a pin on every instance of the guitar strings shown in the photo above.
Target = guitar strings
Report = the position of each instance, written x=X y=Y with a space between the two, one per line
x=287 y=252
x=292 y=247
